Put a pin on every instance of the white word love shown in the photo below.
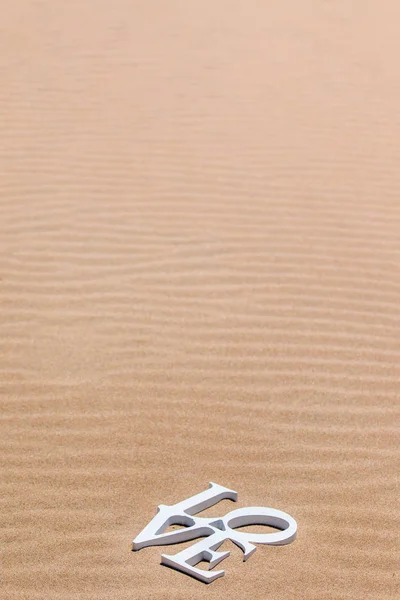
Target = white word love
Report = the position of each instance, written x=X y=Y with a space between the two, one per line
x=217 y=531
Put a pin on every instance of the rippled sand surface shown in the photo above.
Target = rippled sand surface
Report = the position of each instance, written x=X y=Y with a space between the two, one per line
x=199 y=281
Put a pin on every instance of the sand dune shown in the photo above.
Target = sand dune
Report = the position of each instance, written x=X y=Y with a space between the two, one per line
x=199 y=281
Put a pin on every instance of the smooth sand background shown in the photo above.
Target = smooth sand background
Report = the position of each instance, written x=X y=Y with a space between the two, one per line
x=200 y=217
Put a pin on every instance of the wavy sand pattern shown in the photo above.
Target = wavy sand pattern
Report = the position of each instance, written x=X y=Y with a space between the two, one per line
x=199 y=281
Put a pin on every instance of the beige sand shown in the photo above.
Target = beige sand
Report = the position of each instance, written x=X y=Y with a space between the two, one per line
x=199 y=263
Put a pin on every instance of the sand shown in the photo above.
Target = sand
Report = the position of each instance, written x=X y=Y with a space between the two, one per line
x=199 y=281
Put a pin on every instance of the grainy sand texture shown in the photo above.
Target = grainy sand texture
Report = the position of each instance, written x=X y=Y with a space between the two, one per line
x=199 y=281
